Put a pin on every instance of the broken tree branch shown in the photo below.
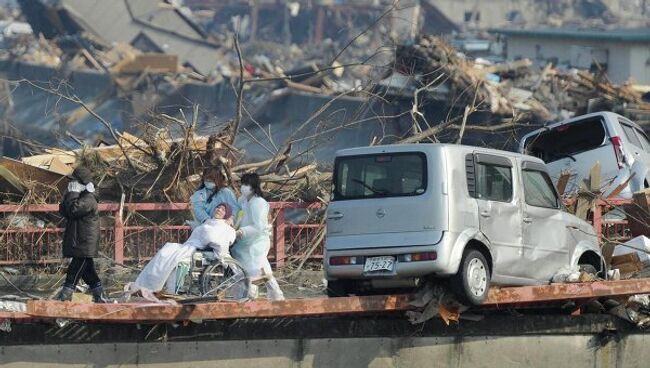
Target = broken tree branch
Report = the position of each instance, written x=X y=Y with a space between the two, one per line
x=240 y=92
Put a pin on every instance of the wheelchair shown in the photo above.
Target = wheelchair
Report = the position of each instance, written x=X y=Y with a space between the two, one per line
x=211 y=277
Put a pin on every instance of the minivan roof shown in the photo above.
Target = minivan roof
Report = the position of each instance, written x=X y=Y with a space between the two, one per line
x=430 y=147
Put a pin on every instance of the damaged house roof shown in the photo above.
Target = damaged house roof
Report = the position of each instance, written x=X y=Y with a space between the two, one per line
x=616 y=35
x=149 y=25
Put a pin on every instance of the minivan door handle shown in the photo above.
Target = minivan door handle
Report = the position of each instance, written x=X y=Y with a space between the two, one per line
x=335 y=216
x=527 y=220
x=485 y=214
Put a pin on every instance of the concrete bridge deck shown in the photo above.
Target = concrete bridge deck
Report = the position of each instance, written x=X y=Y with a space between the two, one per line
x=499 y=340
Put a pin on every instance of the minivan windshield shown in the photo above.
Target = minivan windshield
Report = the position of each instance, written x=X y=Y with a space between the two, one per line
x=566 y=140
x=380 y=175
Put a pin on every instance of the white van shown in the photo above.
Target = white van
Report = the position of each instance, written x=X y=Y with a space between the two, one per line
x=400 y=213
x=575 y=145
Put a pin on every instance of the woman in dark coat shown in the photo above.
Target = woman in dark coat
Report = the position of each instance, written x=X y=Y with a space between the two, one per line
x=81 y=236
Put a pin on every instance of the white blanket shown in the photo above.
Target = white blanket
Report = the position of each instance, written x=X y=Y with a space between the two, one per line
x=214 y=233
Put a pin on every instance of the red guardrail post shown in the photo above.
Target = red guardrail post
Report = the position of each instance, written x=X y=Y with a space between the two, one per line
x=280 y=226
x=119 y=235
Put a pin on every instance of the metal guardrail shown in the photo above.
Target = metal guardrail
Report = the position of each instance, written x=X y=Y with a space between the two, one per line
x=37 y=245
x=608 y=228
x=42 y=245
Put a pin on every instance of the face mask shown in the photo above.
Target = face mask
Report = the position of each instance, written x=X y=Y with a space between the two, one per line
x=209 y=185
x=246 y=190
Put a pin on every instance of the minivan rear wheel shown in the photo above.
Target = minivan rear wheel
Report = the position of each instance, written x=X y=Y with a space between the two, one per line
x=472 y=281
x=336 y=288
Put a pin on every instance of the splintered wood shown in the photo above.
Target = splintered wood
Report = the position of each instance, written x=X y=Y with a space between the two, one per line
x=156 y=167
x=638 y=214
x=627 y=263
x=562 y=182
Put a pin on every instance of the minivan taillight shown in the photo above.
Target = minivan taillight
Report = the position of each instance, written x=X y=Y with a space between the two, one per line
x=344 y=261
x=617 y=143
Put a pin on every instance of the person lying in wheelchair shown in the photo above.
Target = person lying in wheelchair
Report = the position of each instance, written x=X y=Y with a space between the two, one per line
x=202 y=266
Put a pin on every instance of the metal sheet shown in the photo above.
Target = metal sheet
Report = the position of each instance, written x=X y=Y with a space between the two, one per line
x=498 y=297
x=221 y=310
x=15 y=316
x=560 y=292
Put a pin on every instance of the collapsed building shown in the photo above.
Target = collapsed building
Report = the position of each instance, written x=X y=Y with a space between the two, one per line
x=89 y=83
x=149 y=26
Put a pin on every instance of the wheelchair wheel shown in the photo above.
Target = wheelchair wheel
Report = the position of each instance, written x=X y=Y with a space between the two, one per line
x=225 y=280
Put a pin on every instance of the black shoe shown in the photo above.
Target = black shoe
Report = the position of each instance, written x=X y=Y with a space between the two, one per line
x=98 y=295
x=65 y=295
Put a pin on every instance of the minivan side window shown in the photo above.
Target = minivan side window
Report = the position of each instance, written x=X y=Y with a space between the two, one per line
x=538 y=189
x=645 y=143
x=493 y=182
x=630 y=135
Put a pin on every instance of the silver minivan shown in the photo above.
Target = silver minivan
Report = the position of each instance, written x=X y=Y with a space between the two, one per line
x=402 y=213
x=575 y=145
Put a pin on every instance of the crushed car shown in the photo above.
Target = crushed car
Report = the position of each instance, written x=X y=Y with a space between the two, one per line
x=573 y=146
x=401 y=214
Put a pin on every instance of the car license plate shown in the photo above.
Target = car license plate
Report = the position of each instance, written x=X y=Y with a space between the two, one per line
x=379 y=264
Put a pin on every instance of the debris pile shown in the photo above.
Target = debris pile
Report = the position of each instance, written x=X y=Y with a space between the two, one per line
x=35 y=50
x=433 y=60
x=155 y=168
x=516 y=88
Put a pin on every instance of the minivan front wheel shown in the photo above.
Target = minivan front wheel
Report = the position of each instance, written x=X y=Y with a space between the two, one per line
x=472 y=281
x=590 y=269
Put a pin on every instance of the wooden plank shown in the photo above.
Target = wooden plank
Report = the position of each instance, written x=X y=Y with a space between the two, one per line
x=594 y=178
x=583 y=206
x=304 y=87
x=639 y=214
x=562 y=182
x=91 y=59
x=627 y=263
x=620 y=188
x=27 y=172
x=9 y=183
x=59 y=167
x=626 y=258
x=151 y=62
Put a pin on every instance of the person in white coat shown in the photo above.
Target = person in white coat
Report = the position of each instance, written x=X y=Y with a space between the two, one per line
x=216 y=232
x=253 y=237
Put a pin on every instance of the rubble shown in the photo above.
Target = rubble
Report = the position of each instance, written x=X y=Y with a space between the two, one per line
x=434 y=300
x=516 y=88
x=640 y=246
x=156 y=168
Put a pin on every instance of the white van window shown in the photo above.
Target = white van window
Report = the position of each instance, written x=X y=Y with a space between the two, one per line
x=566 y=140
x=379 y=175
x=494 y=183
x=538 y=189
x=630 y=135
x=645 y=143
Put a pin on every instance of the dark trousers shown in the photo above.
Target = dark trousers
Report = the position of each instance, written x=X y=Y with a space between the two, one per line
x=83 y=268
